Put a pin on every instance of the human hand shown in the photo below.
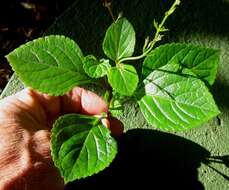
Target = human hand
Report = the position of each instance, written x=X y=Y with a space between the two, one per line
x=25 y=122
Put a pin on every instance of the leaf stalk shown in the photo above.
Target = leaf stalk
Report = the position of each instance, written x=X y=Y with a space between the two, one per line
x=149 y=45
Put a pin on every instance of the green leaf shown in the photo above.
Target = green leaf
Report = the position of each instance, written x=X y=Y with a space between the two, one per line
x=52 y=64
x=123 y=79
x=119 y=40
x=81 y=146
x=116 y=107
x=174 y=102
x=203 y=62
x=95 y=68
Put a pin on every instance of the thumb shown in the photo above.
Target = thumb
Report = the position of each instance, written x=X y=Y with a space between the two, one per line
x=83 y=101
x=87 y=102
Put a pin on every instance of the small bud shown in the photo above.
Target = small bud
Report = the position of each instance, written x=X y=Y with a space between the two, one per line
x=159 y=38
x=120 y=15
x=155 y=23
x=177 y=2
x=163 y=29
x=146 y=43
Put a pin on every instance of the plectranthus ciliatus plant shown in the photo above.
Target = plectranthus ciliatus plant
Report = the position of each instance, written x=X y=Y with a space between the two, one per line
x=172 y=96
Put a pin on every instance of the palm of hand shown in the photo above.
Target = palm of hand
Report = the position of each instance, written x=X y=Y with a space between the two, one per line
x=25 y=121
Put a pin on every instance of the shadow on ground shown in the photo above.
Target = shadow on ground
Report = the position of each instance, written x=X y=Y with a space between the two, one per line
x=150 y=160
x=192 y=16
x=88 y=20
x=221 y=95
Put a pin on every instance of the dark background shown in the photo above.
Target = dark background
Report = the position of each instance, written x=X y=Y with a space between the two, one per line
x=21 y=21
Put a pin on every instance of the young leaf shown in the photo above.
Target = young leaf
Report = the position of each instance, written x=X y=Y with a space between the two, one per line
x=95 y=68
x=123 y=79
x=81 y=146
x=203 y=62
x=52 y=64
x=116 y=107
x=119 y=40
x=174 y=102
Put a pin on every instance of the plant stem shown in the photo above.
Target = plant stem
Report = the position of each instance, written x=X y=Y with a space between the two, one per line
x=133 y=58
x=160 y=27
x=107 y=4
x=108 y=93
x=157 y=36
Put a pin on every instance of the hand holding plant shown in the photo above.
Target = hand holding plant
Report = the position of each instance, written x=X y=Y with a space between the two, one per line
x=171 y=91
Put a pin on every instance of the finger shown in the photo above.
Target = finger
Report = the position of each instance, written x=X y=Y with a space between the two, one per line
x=116 y=127
x=50 y=104
x=40 y=144
x=23 y=104
x=71 y=102
x=83 y=101
x=75 y=101
x=92 y=104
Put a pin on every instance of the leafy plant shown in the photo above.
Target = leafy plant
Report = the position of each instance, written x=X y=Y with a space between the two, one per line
x=173 y=94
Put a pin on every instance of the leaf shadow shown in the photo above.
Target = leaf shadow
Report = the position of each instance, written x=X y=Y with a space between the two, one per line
x=192 y=17
x=219 y=159
x=86 y=22
x=219 y=90
x=208 y=17
x=148 y=158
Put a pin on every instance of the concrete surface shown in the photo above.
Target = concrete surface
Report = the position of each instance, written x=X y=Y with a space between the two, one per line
x=198 y=22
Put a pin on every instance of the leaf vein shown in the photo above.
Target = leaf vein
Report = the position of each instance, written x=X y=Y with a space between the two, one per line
x=163 y=112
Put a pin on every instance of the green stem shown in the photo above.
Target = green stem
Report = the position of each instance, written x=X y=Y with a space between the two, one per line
x=108 y=94
x=159 y=29
x=133 y=58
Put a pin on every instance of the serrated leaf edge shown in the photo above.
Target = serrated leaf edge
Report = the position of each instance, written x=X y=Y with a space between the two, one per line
x=100 y=169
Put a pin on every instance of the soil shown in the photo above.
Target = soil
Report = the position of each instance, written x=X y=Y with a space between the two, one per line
x=22 y=21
